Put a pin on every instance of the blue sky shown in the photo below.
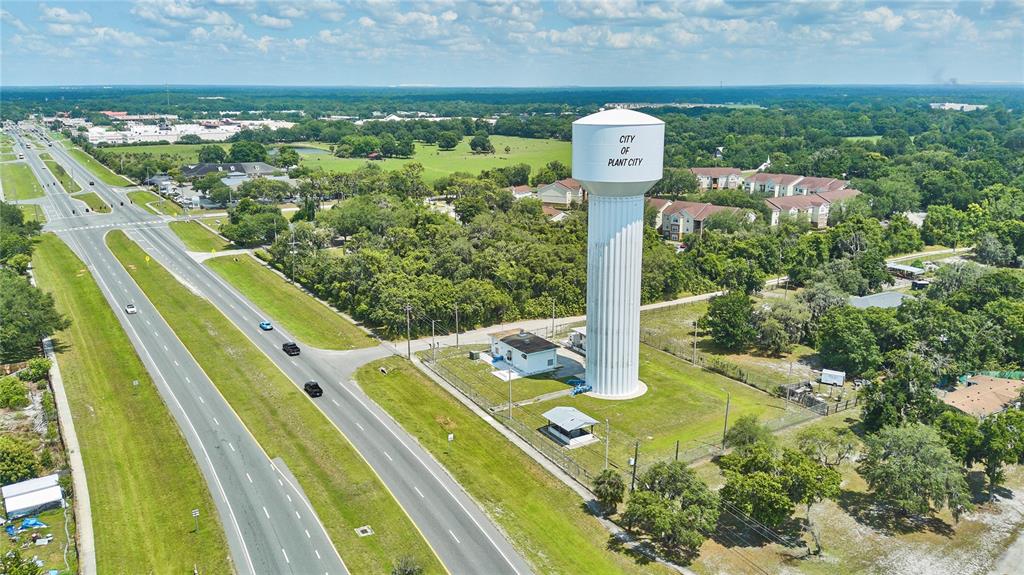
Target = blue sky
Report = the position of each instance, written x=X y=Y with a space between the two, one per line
x=511 y=43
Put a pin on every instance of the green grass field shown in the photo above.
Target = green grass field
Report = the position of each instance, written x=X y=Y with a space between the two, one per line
x=343 y=489
x=94 y=202
x=197 y=238
x=66 y=182
x=184 y=153
x=99 y=170
x=19 y=183
x=437 y=163
x=143 y=480
x=542 y=517
x=159 y=205
x=307 y=319
x=33 y=213
x=479 y=374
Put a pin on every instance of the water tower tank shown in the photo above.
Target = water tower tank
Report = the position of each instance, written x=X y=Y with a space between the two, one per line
x=617 y=155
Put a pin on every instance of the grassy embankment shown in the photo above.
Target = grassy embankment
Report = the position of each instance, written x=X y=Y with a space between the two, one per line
x=67 y=183
x=19 y=183
x=97 y=169
x=33 y=213
x=306 y=318
x=543 y=518
x=342 y=487
x=197 y=238
x=143 y=480
x=92 y=200
x=154 y=204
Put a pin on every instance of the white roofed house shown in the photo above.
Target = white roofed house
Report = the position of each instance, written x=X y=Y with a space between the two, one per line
x=774 y=185
x=718 y=178
x=561 y=193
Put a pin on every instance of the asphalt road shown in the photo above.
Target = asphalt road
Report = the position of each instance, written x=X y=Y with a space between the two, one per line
x=269 y=525
x=453 y=524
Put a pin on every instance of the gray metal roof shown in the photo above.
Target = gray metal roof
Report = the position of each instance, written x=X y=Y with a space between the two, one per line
x=904 y=268
x=569 y=418
x=885 y=299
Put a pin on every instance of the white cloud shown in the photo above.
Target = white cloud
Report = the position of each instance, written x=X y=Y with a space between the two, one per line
x=63 y=15
x=263 y=44
x=180 y=13
x=61 y=29
x=268 y=21
x=366 y=22
x=883 y=16
x=327 y=9
x=11 y=19
x=106 y=36
x=290 y=11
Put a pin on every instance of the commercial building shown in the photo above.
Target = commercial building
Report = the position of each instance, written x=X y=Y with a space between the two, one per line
x=251 y=169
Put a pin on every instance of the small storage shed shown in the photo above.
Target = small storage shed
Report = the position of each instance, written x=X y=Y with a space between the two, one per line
x=32 y=496
x=831 y=377
x=525 y=352
x=570 y=426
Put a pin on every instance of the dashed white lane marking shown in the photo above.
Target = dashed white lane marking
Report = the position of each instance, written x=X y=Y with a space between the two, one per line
x=165 y=348
x=360 y=426
x=308 y=536
x=388 y=456
x=335 y=402
x=289 y=497
x=187 y=379
x=201 y=400
x=418 y=492
x=293 y=362
x=176 y=363
x=285 y=555
x=231 y=446
x=454 y=537
x=317 y=551
x=265 y=512
x=249 y=477
x=147 y=322
x=297 y=516
x=281 y=483
x=215 y=421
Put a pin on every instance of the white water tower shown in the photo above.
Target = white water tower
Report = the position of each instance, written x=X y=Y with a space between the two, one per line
x=617 y=155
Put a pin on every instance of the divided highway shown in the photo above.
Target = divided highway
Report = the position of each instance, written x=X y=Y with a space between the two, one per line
x=456 y=528
x=269 y=526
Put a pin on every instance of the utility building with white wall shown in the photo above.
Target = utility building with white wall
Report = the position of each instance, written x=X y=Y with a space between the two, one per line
x=617 y=155
x=525 y=352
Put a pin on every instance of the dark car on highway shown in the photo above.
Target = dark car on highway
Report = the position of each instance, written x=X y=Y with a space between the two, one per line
x=291 y=348
x=313 y=389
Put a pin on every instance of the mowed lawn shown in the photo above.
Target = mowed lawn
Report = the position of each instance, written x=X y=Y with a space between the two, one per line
x=197 y=238
x=92 y=200
x=99 y=170
x=184 y=153
x=682 y=403
x=143 y=479
x=66 y=182
x=542 y=517
x=159 y=205
x=33 y=213
x=18 y=182
x=438 y=163
x=307 y=319
x=341 y=486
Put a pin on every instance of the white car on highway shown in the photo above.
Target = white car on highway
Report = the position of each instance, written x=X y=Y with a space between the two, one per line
x=130 y=308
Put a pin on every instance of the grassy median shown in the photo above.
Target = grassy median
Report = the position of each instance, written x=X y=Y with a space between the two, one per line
x=197 y=238
x=543 y=518
x=159 y=205
x=19 y=183
x=344 y=490
x=97 y=169
x=308 y=320
x=58 y=171
x=94 y=202
x=143 y=479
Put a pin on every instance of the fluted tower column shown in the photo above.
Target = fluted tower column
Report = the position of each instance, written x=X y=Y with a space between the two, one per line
x=617 y=156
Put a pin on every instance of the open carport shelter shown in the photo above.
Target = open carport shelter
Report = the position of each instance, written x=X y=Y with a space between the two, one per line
x=570 y=426
x=32 y=496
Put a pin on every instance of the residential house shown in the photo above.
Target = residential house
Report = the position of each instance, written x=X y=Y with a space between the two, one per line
x=814 y=185
x=520 y=192
x=659 y=204
x=554 y=214
x=562 y=193
x=718 y=178
x=683 y=217
x=985 y=395
x=774 y=185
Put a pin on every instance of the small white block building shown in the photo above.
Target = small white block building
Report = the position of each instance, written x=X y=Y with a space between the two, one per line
x=525 y=352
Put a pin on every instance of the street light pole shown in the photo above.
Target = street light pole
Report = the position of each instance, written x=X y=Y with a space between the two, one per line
x=433 y=346
x=456 y=325
x=725 y=428
x=408 y=331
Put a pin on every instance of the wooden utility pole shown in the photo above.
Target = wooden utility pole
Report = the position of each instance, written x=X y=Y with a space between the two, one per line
x=636 y=458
